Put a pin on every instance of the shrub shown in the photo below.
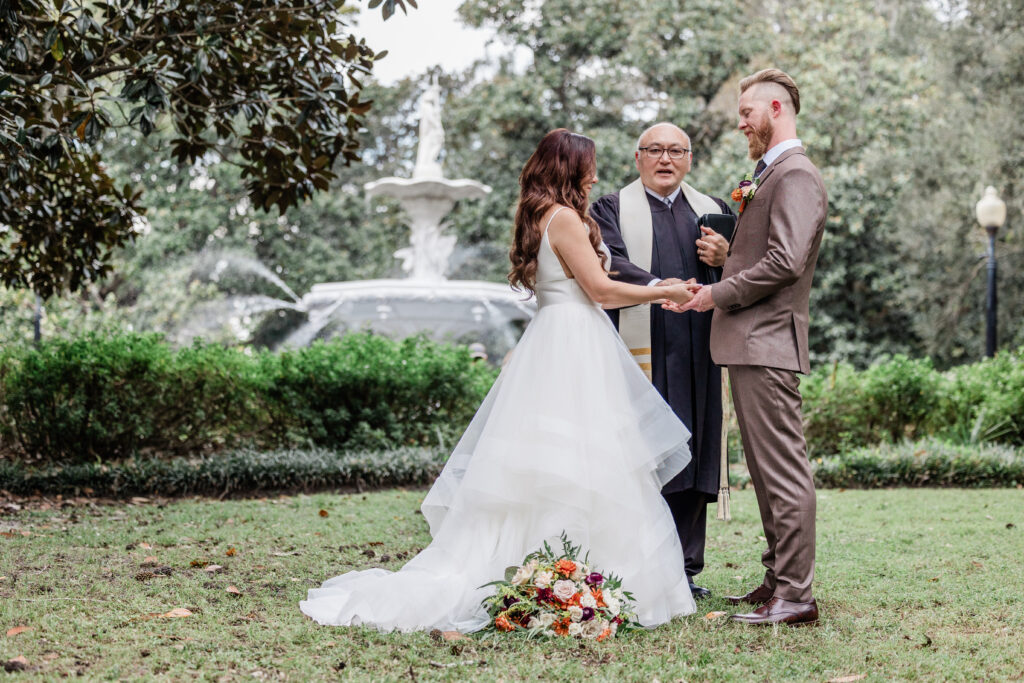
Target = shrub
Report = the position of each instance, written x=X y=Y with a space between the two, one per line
x=97 y=399
x=94 y=398
x=237 y=473
x=904 y=398
x=931 y=462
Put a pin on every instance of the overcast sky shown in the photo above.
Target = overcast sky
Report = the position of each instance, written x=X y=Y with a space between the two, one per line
x=426 y=36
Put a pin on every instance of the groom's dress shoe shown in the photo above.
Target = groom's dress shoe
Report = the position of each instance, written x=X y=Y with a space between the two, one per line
x=757 y=597
x=698 y=592
x=779 y=611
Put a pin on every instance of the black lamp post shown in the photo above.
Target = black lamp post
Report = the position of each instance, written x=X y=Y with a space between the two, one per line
x=991 y=213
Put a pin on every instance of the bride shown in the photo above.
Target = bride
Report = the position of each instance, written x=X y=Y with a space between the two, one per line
x=572 y=437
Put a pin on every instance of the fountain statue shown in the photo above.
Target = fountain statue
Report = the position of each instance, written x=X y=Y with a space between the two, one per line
x=425 y=301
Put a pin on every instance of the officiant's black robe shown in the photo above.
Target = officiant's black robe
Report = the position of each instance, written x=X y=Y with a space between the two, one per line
x=681 y=365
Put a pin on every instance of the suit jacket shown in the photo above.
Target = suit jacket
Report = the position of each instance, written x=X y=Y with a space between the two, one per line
x=761 y=303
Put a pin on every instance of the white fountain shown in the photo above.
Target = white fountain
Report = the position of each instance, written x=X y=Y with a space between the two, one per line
x=426 y=301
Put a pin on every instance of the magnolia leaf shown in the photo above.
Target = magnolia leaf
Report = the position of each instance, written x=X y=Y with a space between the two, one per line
x=19 y=629
x=176 y=613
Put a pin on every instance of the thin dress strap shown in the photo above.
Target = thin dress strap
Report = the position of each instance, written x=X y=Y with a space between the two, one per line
x=553 y=218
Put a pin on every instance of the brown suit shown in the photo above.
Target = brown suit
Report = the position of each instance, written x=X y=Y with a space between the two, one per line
x=759 y=330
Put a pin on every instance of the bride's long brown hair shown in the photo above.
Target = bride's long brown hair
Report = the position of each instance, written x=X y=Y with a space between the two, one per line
x=555 y=174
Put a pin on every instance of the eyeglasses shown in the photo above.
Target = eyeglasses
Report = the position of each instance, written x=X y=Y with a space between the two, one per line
x=656 y=152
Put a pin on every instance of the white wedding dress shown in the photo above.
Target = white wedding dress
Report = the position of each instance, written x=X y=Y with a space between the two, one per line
x=572 y=437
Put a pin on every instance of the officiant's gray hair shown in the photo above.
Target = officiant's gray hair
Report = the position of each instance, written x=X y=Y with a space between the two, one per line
x=647 y=130
x=778 y=78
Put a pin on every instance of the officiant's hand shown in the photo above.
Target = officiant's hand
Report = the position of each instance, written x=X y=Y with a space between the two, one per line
x=712 y=248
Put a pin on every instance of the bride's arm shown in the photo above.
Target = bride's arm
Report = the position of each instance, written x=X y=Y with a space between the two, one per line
x=569 y=239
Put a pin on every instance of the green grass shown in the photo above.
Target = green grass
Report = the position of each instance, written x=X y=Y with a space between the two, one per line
x=913 y=584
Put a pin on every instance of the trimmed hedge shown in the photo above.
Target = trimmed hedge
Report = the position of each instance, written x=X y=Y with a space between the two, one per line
x=238 y=473
x=98 y=399
x=904 y=398
x=931 y=462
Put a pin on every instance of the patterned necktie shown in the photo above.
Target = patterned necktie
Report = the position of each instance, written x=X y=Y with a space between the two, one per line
x=759 y=168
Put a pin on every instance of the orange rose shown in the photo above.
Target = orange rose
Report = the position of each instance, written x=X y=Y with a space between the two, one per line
x=737 y=194
x=503 y=623
x=604 y=634
x=599 y=596
x=565 y=567
x=561 y=627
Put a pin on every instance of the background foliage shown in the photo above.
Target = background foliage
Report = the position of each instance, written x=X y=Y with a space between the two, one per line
x=907 y=111
x=96 y=399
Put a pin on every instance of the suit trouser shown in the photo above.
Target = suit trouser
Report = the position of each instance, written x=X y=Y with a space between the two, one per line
x=768 y=409
x=690 y=512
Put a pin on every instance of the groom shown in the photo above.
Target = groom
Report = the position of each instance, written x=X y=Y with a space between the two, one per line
x=650 y=226
x=759 y=331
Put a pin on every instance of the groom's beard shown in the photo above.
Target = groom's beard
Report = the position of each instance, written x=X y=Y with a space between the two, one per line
x=757 y=143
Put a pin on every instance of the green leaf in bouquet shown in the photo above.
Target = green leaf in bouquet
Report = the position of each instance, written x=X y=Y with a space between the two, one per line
x=510 y=572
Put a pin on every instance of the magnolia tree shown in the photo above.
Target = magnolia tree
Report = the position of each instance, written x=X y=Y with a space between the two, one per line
x=270 y=85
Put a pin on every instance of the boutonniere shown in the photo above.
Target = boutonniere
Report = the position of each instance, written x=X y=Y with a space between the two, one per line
x=745 y=191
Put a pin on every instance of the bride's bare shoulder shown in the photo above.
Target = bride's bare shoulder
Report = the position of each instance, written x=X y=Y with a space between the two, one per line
x=563 y=223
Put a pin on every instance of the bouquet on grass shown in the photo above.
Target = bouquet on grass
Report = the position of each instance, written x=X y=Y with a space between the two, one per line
x=559 y=595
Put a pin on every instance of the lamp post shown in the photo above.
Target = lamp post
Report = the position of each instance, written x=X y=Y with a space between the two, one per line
x=991 y=213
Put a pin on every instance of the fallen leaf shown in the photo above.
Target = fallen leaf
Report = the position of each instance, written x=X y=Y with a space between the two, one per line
x=230 y=552
x=453 y=635
x=934 y=578
x=732 y=565
x=146 y=546
x=149 y=559
x=198 y=563
x=233 y=590
x=1009 y=525
x=324 y=513
x=19 y=663
x=294 y=552
x=176 y=613
x=18 y=629
x=977 y=564
x=213 y=568
x=848 y=679
x=714 y=615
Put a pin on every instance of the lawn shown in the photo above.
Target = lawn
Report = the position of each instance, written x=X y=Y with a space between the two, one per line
x=920 y=583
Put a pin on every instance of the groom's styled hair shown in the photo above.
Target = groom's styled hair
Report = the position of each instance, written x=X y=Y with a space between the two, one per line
x=777 y=77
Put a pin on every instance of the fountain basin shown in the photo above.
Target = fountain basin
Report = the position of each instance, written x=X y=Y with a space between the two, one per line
x=461 y=311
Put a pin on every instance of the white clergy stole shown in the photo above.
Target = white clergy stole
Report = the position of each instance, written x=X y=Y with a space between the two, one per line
x=637 y=230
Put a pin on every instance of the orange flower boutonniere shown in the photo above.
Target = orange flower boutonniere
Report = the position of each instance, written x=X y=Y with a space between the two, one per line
x=745 y=191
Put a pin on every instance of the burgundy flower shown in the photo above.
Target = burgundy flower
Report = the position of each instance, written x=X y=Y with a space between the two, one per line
x=617 y=620
x=594 y=579
x=746 y=183
x=545 y=595
x=588 y=614
x=509 y=601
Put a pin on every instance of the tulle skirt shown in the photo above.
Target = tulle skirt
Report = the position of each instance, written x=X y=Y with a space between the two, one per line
x=572 y=437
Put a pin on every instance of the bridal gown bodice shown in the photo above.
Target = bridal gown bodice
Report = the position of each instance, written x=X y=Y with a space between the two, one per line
x=571 y=437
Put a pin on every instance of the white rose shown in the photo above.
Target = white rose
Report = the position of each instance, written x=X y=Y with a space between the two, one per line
x=594 y=628
x=578 y=573
x=588 y=600
x=522 y=576
x=543 y=579
x=533 y=623
x=617 y=594
x=546 y=619
x=575 y=629
x=615 y=628
x=614 y=606
x=575 y=613
x=564 y=590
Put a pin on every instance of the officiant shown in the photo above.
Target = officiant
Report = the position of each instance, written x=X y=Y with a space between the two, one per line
x=650 y=227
